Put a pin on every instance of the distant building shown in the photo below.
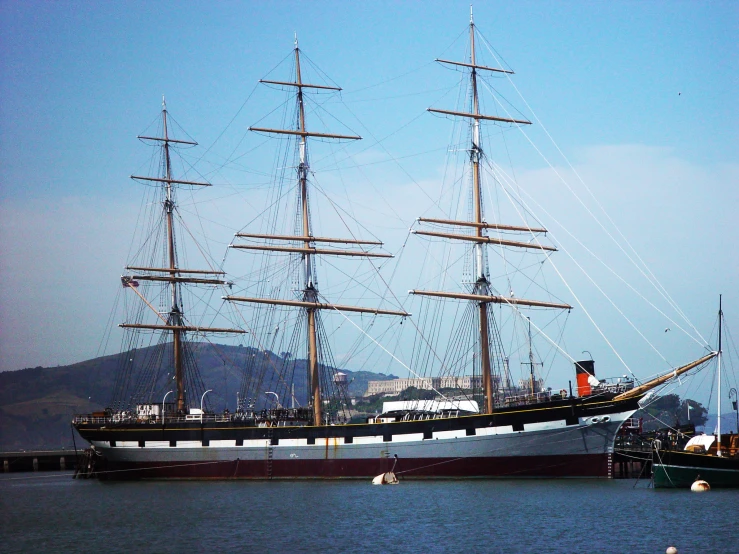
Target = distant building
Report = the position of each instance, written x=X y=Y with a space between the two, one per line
x=396 y=386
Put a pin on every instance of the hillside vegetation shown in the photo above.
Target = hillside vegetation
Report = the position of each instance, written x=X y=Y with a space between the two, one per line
x=37 y=404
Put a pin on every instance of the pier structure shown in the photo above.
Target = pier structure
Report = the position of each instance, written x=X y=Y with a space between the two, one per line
x=39 y=460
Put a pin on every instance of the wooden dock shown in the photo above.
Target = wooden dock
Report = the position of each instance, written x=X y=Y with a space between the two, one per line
x=39 y=460
x=632 y=464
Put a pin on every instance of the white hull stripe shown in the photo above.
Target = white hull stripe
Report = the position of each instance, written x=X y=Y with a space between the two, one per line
x=377 y=439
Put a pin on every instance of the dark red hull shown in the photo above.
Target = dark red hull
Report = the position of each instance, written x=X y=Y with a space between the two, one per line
x=585 y=466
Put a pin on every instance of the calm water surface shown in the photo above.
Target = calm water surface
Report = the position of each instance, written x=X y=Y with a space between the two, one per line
x=46 y=512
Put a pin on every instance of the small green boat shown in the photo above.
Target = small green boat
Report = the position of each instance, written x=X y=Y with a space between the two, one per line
x=680 y=469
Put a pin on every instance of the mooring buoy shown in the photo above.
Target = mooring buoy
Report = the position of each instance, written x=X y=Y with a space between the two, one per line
x=700 y=486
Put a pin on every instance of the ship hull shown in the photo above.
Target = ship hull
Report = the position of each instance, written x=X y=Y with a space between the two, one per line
x=565 y=440
x=512 y=467
x=680 y=469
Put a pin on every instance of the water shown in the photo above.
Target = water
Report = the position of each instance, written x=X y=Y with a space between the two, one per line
x=51 y=512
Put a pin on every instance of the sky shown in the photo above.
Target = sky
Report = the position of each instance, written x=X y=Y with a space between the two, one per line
x=633 y=106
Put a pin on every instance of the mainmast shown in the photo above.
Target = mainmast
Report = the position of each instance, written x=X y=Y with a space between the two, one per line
x=173 y=275
x=481 y=292
x=175 y=313
x=310 y=294
x=718 y=371
x=310 y=302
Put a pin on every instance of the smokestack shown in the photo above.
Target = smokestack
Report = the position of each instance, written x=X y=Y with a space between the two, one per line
x=584 y=370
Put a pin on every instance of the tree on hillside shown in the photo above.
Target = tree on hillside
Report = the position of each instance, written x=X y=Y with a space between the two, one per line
x=665 y=408
x=698 y=414
x=670 y=410
x=413 y=393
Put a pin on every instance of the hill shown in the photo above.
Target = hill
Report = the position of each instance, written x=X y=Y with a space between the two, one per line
x=37 y=404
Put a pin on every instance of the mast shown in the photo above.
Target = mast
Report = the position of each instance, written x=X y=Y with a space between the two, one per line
x=174 y=313
x=718 y=371
x=310 y=301
x=175 y=321
x=481 y=292
x=481 y=285
x=310 y=294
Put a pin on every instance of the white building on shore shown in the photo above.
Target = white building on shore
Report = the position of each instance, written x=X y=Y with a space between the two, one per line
x=396 y=386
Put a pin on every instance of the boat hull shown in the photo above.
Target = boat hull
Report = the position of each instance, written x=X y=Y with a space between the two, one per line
x=556 y=441
x=676 y=469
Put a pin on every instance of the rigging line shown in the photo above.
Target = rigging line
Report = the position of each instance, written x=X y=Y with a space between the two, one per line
x=599 y=289
x=262 y=348
x=585 y=310
x=375 y=268
x=207 y=257
x=378 y=142
x=653 y=280
x=496 y=55
x=369 y=146
x=379 y=98
x=185 y=164
x=318 y=69
x=541 y=331
x=664 y=468
x=318 y=109
x=170 y=118
x=231 y=162
x=419 y=68
x=337 y=168
x=199 y=220
x=290 y=56
x=563 y=280
x=338 y=209
x=287 y=191
x=383 y=348
x=446 y=255
x=212 y=221
x=611 y=270
x=103 y=345
x=560 y=339
x=142 y=210
x=496 y=96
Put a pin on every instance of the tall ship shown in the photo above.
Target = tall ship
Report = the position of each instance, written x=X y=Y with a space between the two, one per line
x=293 y=418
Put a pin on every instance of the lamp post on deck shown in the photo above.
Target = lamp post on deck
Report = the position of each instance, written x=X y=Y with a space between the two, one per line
x=163 y=399
x=201 y=404
x=277 y=398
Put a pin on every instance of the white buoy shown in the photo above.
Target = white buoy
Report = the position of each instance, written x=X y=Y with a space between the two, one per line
x=700 y=486
x=388 y=478
x=671 y=550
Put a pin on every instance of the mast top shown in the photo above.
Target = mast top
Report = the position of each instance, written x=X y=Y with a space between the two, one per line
x=296 y=40
x=164 y=103
x=472 y=21
x=720 y=317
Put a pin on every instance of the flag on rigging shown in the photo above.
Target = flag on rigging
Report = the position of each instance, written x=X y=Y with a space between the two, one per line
x=128 y=282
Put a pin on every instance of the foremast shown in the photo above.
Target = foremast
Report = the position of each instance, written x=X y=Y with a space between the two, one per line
x=481 y=291
x=310 y=294
x=174 y=321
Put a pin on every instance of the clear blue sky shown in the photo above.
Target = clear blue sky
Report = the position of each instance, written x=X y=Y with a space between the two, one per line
x=640 y=96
